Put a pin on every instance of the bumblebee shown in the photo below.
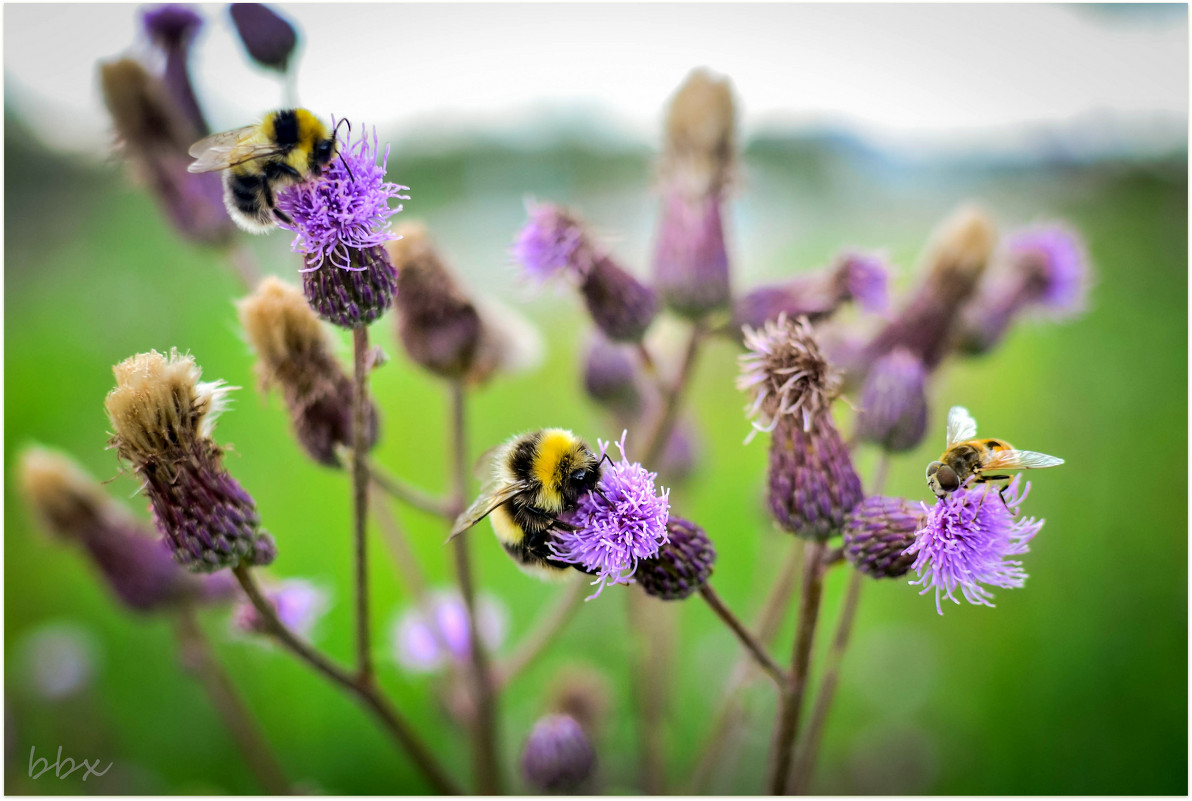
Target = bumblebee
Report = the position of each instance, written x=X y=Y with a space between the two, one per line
x=535 y=478
x=968 y=456
x=286 y=147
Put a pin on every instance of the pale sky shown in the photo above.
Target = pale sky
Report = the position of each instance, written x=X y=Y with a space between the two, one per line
x=929 y=72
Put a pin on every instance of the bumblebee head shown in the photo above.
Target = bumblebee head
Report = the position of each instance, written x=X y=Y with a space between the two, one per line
x=321 y=154
x=942 y=479
x=583 y=474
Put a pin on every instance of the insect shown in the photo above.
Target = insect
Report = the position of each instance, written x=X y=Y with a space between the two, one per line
x=535 y=478
x=968 y=456
x=286 y=147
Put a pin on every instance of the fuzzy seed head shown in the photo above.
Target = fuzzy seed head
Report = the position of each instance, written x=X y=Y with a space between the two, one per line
x=700 y=134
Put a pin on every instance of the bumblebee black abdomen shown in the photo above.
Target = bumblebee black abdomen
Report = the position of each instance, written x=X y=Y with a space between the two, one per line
x=248 y=199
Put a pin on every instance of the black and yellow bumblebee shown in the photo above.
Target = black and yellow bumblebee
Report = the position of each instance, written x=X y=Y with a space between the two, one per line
x=536 y=477
x=286 y=147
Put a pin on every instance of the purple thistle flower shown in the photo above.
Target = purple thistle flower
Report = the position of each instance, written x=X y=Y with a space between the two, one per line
x=298 y=603
x=1053 y=261
x=552 y=242
x=424 y=639
x=267 y=36
x=864 y=277
x=894 y=402
x=618 y=528
x=966 y=540
x=558 y=756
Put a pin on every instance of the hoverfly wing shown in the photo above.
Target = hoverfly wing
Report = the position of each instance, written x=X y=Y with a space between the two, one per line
x=961 y=425
x=483 y=506
x=1019 y=460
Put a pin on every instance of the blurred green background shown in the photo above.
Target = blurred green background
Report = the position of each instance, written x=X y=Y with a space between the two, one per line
x=1075 y=684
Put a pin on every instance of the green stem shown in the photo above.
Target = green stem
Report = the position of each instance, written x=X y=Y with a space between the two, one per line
x=360 y=483
x=755 y=648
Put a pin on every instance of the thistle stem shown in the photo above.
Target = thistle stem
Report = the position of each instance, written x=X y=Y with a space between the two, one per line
x=731 y=711
x=809 y=748
x=543 y=633
x=673 y=398
x=484 y=753
x=198 y=658
x=361 y=687
x=411 y=496
x=360 y=482
x=649 y=686
x=792 y=702
x=755 y=648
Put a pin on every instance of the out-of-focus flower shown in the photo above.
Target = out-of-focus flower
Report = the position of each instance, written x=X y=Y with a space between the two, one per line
x=557 y=756
x=855 y=276
x=58 y=660
x=1045 y=269
x=73 y=505
x=878 y=533
x=554 y=242
x=267 y=36
x=894 y=402
x=437 y=322
x=298 y=603
x=966 y=540
x=340 y=223
x=611 y=377
x=812 y=483
x=294 y=352
x=691 y=268
x=683 y=564
x=154 y=136
x=173 y=28
x=162 y=417
x=928 y=324
x=426 y=639
x=616 y=526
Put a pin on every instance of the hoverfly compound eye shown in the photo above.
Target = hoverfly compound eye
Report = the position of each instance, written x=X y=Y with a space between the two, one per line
x=933 y=468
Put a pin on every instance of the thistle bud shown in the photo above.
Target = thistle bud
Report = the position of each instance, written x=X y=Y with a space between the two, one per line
x=294 y=352
x=555 y=242
x=812 y=483
x=154 y=137
x=1045 y=270
x=436 y=322
x=73 y=505
x=163 y=417
x=610 y=376
x=894 y=402
x=267 y=36
x=173 y=28
x=558 y=756
x=683 y=564
x=956 y=260
x=878 y=533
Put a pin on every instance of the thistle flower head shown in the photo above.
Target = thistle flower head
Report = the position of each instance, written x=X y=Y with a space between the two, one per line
x=162 y=417
x=425 y=638
x=1053 y=265
x=171 y=25
x=298 y=603
x=267 y=36
x=864 y=278
x=894 y=402
x=691 y=267
x=813 y=485
x=557 y=756
x=437 y=322
x=553 y=241
x=616 y=527
x=700 y=135
x=878 y=533
x=683 y=564
x=610 y=375
x=621 y=306
x=785 y=374
x=966 y=540
x=346 y=210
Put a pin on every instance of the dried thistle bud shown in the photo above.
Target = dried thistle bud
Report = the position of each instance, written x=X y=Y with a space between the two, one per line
x=294 y=353
x=558 y=756
x=436 y=321
x=683 y=564
x=878 y=533
x=894 y=402
x=956 y=260
x=162 y=417
x=154 y=137
x=73 y=505
x=700 y=135
x=267 y=36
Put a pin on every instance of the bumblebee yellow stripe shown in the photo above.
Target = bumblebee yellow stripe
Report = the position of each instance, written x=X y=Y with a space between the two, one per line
x=553 y=447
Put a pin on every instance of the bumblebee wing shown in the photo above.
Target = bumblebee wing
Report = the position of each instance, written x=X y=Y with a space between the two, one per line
x=222 y=150
x=1019 y=460
x=483 y=506
x=961 y=425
